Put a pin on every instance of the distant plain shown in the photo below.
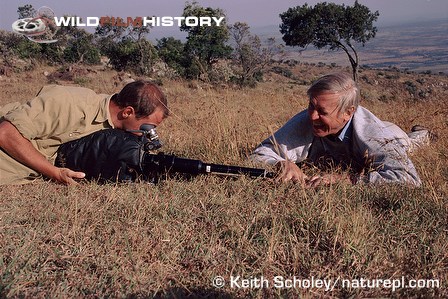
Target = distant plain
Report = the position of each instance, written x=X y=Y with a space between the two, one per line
x=415 y=46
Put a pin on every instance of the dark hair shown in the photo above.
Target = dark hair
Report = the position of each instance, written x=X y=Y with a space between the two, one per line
x=143 y=96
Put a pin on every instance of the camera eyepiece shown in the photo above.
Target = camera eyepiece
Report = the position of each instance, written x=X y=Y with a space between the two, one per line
x=149 y=132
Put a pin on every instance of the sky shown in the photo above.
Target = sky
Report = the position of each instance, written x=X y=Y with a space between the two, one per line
x=256 y=13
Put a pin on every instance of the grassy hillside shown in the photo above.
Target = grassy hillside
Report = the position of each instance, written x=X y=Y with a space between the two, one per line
x=173 y=239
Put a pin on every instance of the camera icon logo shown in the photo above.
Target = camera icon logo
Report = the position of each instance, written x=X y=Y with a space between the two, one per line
x=40 y=28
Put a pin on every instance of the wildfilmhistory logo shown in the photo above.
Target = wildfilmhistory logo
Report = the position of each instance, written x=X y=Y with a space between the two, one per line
x=42 y=27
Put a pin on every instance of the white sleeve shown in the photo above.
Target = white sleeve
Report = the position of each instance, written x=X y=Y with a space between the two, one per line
x=292 y=142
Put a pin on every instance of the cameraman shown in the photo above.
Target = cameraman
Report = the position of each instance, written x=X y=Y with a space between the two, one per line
x=30 y=134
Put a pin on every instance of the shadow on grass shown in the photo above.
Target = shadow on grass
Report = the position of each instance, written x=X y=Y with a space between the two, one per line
x=177 y=292
x=3 y=291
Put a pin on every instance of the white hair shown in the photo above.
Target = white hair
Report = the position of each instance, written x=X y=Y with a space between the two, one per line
x=338 y=83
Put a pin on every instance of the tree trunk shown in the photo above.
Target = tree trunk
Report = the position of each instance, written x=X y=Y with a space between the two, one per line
x=353 y=61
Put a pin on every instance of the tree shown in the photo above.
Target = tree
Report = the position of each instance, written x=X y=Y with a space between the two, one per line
x=171 y=50
x=80 y=48
x=332 y=25
x=205 y=44
x=249 y=55
x=26 y=11
x=127 y=48
x=74 y=45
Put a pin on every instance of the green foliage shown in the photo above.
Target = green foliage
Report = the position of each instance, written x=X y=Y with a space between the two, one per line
x=205 y=44
x=411 y=88
x=415 y=92
x=249 y=57
x=12 y=44
x=121 y=54
x=74 y=45
x=82 y=81
x=26 y=11
x=79 y=46
x=131 y=55
x=82 y=51
x=171 y=50
x=283 y=71
x=52 y=53
x=15 y=45
x=109 y=32
x=127 y=48
x=329 y=25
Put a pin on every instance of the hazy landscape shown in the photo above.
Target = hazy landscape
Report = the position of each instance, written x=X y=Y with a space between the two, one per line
x=413 y=46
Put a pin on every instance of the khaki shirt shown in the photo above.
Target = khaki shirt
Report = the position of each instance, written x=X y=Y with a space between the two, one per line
x=58 y=114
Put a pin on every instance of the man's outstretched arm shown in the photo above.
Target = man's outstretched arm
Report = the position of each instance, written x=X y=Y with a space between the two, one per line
x=21 y=149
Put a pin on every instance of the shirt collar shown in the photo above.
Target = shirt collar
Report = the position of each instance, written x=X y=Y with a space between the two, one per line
x=104 y=113
x=345 y=132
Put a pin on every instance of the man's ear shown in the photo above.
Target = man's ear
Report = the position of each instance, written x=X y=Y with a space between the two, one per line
x=349 y=112
x=126 y=112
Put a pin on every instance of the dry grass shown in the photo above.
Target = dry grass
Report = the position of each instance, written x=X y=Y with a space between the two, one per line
x=170 y=240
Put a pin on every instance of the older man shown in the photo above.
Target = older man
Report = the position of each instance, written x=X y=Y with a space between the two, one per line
x=335 y=132
x=30 y=134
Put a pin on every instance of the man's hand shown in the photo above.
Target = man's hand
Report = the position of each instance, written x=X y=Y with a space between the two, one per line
x=327 y=179
x=289 y=171
x=66 y=176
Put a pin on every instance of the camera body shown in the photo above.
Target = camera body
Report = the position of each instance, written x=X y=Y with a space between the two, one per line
x=149 y=136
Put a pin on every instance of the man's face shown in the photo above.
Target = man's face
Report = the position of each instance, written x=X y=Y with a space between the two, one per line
x=130 y=122
x=324 y=116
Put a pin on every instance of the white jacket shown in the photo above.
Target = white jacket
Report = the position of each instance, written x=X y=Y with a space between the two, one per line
x=381 y=145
